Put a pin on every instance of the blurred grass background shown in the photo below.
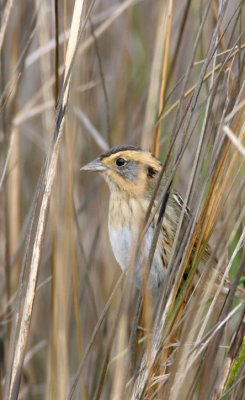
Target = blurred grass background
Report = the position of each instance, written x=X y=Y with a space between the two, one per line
x=130 y=81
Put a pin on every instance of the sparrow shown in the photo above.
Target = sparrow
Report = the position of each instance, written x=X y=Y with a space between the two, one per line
x=131 y=175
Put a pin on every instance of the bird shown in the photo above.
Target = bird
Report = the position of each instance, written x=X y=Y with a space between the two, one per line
x=131 y=175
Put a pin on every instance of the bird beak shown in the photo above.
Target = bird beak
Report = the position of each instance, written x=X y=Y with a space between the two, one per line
x=95 y=165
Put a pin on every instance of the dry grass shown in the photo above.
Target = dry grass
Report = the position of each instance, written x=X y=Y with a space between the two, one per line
x=75 y=79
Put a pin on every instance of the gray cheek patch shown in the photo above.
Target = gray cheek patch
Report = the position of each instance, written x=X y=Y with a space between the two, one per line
x=129 y=171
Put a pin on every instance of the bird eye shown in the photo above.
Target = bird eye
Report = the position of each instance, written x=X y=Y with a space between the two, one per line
x=120 y=162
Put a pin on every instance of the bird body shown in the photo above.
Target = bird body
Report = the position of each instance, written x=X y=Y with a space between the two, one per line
x=123 y=236
x=131 y=175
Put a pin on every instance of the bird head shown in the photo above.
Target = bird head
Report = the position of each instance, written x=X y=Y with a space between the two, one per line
x=126 y=168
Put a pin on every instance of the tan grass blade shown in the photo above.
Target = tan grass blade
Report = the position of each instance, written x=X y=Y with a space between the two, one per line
x=166 y=41
x=4 y=21
x=23 y=318
x=154 y=87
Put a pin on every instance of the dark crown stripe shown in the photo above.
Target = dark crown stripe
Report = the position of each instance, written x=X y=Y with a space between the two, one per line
x=117 y=149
